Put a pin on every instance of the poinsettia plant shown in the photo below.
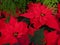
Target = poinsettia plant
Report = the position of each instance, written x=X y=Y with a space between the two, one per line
x=29 y=22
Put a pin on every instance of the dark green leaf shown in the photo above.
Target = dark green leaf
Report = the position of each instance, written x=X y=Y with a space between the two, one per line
x=48 y=28
x=50 y=3
x=6 y=44
x=31 y=38
x=21 y=18
x=38 y=37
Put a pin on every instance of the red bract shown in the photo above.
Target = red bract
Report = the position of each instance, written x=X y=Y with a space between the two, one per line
x=21 y=28
x=8 y=39
x=51 y=38
x=48 y=18
x=35 y=23
x=45 y=33
x=24 y=40
x=34 y=8
x=59 y=41
x=58 y=7
x=2 y=23
x=32 y=30
x=52 y=22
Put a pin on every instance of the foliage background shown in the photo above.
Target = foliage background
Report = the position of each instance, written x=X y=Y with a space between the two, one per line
x=11 y=5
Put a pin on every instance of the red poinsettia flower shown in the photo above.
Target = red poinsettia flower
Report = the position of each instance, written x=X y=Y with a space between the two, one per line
x=33 y=13
x=48 y=18
x=13 y=30
x=2 y=23
x=19 y=27
x=51 y=38
x=40 y=15
x=6 y=35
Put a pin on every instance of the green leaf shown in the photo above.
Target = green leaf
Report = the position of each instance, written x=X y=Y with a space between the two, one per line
x=38 y=37
x=41 y=1
x=31 y=38
x=24 y=19
x=8 y=5
x=58 y=0
x=37 y=0
x=50 y=3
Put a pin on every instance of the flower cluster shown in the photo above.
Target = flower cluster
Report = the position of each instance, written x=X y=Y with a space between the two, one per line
x=36 y=23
